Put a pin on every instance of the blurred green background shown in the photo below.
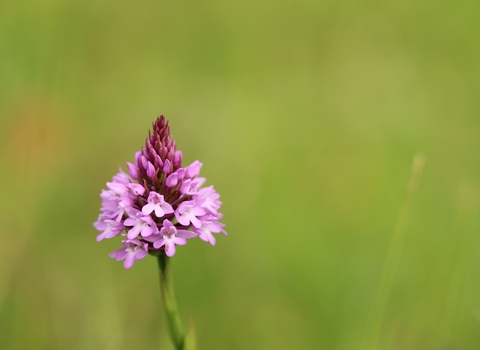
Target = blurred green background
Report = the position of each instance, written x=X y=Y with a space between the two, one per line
x=307 y=116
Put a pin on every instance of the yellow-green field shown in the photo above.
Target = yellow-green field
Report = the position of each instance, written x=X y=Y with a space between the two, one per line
x=307 y=116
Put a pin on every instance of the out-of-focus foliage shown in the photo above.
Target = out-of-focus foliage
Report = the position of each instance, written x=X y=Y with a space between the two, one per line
x=306 y=115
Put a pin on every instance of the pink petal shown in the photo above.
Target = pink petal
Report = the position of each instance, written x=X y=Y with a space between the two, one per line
x=179 y=241
x=146 y=231
x=147 y=209
x=140 y=254
x=133 y=233
x=159 y=243
x=137 y=158
x=198 y=211
x=172 y=180
x=129 y=261
x=186 y=234
x=100 y=237
x=170 y=249
x=193 y=169
x=182 y=219
x=177 y=159
x=195 y=222
x=132 y=170
x=130 y=222
x=144 y=162
x=158 y=161
x=167 y=167
x=117 y=188
x=136 y=189
x=159 y=211
x=211 y=239
x=150 y=170
x=167 y=208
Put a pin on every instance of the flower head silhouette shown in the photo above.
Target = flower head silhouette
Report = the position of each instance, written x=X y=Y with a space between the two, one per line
x=158 y=204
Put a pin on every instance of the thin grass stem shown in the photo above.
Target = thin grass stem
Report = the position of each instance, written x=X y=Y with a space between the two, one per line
x=371 y=336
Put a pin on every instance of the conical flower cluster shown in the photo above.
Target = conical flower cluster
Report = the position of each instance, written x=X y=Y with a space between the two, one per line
x=158 y=204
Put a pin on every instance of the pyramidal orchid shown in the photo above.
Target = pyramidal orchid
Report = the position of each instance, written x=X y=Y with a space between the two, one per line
x=156 y=206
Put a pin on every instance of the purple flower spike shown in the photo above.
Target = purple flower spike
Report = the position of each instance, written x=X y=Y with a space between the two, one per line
x=158 y=204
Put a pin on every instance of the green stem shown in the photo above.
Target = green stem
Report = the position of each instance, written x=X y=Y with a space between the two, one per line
x=174 y=323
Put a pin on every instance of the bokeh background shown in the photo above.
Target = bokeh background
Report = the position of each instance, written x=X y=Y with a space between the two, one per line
x=307 y=116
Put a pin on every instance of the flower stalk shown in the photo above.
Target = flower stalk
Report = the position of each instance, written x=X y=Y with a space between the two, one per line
x=174 y=322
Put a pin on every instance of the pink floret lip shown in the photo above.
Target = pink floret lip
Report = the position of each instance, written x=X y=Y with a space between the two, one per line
x=169 y=236
x=133 y=249
x=158 y=204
